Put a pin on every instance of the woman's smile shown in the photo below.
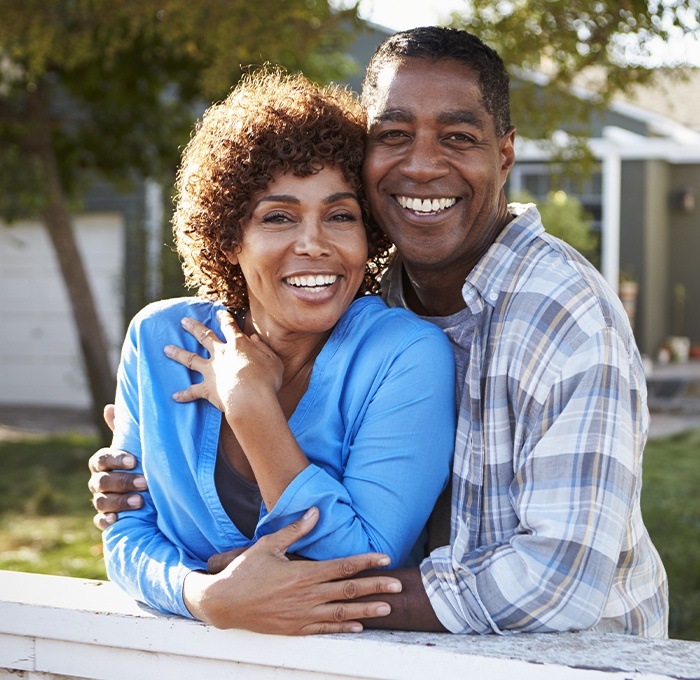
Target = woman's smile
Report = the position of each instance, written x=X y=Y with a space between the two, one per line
x=303 y=253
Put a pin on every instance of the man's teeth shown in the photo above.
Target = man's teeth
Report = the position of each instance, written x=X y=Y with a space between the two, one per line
x=425 y=205
x=312 y=280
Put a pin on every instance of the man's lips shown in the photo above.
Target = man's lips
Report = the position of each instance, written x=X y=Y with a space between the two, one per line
x=425 y=205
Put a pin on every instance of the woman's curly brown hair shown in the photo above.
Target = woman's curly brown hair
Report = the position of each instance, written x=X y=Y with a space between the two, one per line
x=271 y=122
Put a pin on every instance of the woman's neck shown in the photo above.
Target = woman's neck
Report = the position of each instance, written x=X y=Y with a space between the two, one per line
x=297 y=351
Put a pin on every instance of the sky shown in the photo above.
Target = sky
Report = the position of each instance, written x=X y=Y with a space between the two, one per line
x=403 y=14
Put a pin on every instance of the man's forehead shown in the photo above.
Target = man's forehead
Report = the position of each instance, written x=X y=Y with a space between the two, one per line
x=393 y=97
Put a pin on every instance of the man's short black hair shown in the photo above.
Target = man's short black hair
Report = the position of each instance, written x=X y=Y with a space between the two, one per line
x=438 y=42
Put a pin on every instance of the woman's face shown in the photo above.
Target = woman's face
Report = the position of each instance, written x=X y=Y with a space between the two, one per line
x=303 y=252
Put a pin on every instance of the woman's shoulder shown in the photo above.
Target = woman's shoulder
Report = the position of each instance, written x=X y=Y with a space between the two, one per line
x=369 y=317
x=176 y=309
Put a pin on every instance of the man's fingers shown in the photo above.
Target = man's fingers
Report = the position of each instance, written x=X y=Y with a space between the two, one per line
x=108 y=415
x=102 y=521
x=116 y=482
x=105 y=460
x=116 y=502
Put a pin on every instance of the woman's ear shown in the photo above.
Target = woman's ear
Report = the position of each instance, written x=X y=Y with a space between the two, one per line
x=232 y=253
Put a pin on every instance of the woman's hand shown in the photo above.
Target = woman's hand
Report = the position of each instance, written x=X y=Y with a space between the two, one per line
x=237 y=371
x=263 y=591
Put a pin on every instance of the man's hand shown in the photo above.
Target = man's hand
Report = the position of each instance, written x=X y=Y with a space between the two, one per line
x=263 y=591
x=113 y=492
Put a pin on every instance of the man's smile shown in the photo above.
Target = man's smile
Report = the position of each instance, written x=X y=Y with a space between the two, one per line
x=425 y=205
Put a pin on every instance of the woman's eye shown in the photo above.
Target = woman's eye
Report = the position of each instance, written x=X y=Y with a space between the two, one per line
x=275 y=218
x=344 y=217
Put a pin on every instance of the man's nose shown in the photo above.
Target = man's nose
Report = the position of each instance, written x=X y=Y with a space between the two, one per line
x=424 y=161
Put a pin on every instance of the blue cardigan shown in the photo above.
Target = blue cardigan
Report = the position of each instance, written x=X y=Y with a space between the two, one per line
x=377 y=423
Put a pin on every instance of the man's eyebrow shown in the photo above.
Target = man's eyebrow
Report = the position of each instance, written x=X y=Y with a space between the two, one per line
x=461 y=116
x=394 y=116
x=458 y=116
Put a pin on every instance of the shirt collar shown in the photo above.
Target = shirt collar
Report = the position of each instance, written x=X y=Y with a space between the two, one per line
x=493 y=274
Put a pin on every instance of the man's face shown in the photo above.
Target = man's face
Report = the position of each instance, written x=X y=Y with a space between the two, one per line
x=435 y=168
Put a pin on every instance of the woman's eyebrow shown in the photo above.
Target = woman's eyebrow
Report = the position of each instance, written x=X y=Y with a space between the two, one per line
x=278 y=198
x=339 y=196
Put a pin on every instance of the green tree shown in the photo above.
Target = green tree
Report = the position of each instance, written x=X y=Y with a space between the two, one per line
x=564 y=217
x=604 y=45
x=108 y=88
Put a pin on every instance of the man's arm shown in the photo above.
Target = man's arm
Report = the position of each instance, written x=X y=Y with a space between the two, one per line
x=411 y=608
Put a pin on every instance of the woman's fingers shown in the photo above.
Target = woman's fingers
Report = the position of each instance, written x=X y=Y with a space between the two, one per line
x=191 y=360
x=228 y=324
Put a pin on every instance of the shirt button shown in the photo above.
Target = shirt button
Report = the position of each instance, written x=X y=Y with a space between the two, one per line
x=493 y=296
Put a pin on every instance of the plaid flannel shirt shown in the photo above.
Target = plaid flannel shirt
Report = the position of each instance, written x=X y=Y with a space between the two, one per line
x=546 y=528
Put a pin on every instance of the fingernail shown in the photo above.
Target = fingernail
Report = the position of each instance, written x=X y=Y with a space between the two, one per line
x=134 y=501
x=383 y=562
x=168 y=350
x=128 y=460
x=355 y=629
x=394 y=587
x=383 y=610
x=186 y=322
x=309 y=513
x=140 y=482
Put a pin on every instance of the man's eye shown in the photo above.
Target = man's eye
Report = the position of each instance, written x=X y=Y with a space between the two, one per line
x=460 y=138
x=392 y=136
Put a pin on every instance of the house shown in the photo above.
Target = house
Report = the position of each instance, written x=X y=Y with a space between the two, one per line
x=645 y=198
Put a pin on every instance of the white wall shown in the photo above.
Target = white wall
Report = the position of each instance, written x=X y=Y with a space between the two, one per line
x=40 y=362
x=54 y=626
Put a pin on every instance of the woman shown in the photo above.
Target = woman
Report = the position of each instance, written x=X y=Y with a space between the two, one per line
x=327 y=396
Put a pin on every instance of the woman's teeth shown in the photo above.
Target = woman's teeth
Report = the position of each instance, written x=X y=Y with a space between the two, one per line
x=312 y=280
x=425 y=205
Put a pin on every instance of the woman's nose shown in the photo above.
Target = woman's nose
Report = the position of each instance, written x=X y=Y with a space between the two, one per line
x=313 y=240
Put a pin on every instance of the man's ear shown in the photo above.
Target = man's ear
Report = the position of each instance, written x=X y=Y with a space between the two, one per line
x=506 y=146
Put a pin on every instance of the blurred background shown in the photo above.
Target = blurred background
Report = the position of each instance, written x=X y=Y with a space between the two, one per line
x=98 y=98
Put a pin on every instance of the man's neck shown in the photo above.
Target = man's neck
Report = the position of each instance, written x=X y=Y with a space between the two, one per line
x=433 y=296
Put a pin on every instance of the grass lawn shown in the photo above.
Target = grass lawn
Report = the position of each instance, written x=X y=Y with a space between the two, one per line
x=46 y=525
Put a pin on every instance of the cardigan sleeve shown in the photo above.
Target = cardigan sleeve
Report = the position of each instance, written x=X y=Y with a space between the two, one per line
x=399 y=461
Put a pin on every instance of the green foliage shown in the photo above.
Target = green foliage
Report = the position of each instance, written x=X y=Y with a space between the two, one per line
x=604 y=45
x=671 y=509
x=45 y=511
x=122 y=81
x=563 y=216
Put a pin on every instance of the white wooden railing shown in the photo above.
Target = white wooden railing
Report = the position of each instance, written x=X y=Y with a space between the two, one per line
x=52 y=626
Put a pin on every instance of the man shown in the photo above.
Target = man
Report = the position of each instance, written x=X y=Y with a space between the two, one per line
x=546 y=531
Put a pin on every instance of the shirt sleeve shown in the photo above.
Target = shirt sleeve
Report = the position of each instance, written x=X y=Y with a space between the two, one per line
x=139 y=558
x=573 y=490
x=398 y=463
